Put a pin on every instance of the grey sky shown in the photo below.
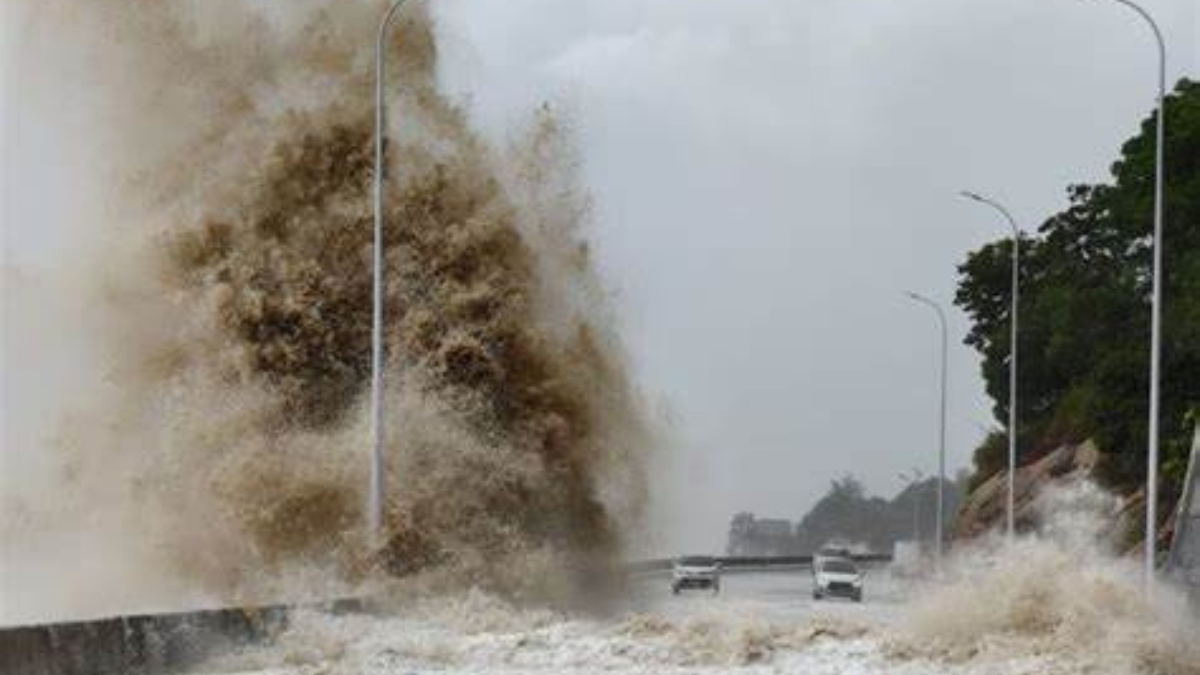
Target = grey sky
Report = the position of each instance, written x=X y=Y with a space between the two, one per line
x=769 y=176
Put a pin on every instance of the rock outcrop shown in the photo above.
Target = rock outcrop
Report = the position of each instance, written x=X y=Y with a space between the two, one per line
x=984 y=508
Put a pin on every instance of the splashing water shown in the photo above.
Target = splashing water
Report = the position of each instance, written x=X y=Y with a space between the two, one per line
x=234 y=303
x=1058 y=604
x=1059 y=596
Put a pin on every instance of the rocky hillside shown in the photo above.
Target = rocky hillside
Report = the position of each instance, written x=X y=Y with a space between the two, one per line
x=984 y=508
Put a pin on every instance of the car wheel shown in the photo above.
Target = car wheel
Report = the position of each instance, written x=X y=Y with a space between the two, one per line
x=674 y=590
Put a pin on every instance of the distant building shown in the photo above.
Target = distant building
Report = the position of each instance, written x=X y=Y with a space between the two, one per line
x=750 y=536
x=773 y=527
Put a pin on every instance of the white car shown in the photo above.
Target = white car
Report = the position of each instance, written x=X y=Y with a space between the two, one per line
x=828 y=552
x=837 y=577
x=696 y=572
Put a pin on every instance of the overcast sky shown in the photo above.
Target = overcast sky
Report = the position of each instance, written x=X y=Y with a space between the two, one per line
x=770 y=176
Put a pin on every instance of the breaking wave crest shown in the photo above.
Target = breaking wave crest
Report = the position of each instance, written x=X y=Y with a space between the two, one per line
x=480 y=633
x=1059 y=599
x=234 y=301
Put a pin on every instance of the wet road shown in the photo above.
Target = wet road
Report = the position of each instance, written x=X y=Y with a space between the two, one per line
x=759 y=623
x=782 y=594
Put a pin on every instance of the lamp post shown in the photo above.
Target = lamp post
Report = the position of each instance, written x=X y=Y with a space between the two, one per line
x=1012 y=363
x=913 y=479
x=941 y=428
x=375 y=490
x=1156 y=301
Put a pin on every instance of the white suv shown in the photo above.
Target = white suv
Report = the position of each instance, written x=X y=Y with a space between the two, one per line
x=696 y=572
x=836 y=577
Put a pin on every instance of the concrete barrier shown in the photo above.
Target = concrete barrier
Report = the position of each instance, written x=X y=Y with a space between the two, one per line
x=134 y=645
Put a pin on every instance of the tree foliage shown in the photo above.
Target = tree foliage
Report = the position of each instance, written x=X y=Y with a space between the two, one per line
x=1085 y=309
x=848 y=514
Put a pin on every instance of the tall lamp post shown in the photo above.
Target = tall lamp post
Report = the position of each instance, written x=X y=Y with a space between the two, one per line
x=1012 y=363
x=1156 y=302
x=913 y=479
x=941 y=428
x=375 y=491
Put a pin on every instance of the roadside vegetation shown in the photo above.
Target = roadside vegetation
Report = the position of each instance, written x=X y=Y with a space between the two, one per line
x=1085 y=313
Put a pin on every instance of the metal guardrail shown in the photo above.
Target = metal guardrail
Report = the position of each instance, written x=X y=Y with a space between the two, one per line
x=749 y=563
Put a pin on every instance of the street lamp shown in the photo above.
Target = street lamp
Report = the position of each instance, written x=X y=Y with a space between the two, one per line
x=913 y=479
x=375 y=491
x=1156 y=302
x=1012 y=363
x=941 y=427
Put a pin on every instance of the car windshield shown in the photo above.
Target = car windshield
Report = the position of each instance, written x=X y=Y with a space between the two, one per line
x=697 y=561
x=840 y=567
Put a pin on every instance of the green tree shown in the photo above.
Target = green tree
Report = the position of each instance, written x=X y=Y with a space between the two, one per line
x=1085 y=309
x=848 y=514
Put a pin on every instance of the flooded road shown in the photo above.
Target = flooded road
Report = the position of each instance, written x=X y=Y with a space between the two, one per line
x=760 y=623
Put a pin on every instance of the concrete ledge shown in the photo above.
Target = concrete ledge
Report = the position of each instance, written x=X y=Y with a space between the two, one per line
x=134 y=645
